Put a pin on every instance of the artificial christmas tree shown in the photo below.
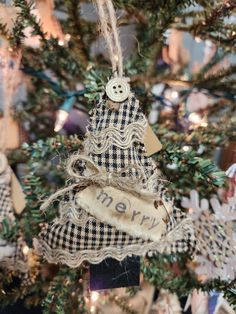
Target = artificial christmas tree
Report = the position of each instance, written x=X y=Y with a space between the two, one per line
x=163 y=76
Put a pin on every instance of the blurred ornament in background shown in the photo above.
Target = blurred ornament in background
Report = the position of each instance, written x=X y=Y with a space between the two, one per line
x=12 y=92
x=44 y=12
x=76 y=121
x=154 y=112
x=228 y=155
x=198 y=100
x=174 y=55
x=203 y=303
x=12 y=201
x=229 y=193
x=166 y=98
x=8 y=14
x=209 y=51
x=213 y=226
x=167 y=303
x=198 y=301
x=158 y=89
x=217 y=155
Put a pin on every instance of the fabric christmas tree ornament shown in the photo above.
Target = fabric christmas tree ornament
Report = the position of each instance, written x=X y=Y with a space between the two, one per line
x=11 y=254
x=117 y=205
x=11 y=195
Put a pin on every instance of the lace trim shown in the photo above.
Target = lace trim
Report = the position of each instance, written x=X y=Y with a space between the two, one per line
x=99 y=142
x=74 y=259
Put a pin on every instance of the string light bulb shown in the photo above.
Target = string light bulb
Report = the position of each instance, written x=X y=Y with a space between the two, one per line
x=61 y=42
x=174 y=94
x=94 y=296
x=25 y=249
x=194 y=118
x=197 y=120
x=197 y=39
x=62 y=116
x=63 y=113
x=186 y=148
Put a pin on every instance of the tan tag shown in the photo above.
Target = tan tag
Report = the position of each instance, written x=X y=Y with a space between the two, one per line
x=12 y=134
x=151 y=142
x=17 y=194
x=3 y=163
x=128 y=213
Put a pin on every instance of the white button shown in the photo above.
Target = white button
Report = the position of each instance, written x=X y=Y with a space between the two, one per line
x=3 y=163
x=118 y=89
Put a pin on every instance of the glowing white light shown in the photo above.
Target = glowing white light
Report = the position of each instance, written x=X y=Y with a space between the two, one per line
x=186 y=148
x=201 y=149
x=62 y=115
x=92 y=309
x=174 y=94
x=67 y=37
x=194 y=117
x=61 y=42
x=25 y=250
x=89 y=67
x=191 y=210
x=172 y=166
x=198 y=39
x=116 y=58
x=94 y=296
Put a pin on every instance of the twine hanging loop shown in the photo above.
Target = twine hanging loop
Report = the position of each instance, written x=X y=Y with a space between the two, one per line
x=108 y=21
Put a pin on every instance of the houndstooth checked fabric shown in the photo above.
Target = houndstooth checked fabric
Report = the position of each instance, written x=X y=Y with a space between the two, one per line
x=76 y=235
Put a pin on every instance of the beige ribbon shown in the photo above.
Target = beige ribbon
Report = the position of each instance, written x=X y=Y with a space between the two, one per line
x=96 y=175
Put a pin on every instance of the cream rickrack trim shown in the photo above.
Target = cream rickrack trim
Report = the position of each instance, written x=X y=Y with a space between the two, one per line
x=74 y=259
x=76 y=215
x=100 y=141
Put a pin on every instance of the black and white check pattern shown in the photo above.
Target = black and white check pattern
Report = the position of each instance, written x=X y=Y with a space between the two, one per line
x=186 y=244
x=116 y=159
x=16 y=259
x=94 y=234
x=6 y=210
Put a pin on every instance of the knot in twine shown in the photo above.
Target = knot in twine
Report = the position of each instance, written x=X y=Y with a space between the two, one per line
x=96 y=175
